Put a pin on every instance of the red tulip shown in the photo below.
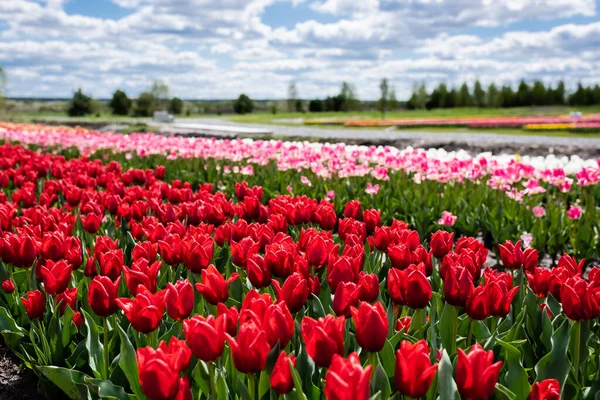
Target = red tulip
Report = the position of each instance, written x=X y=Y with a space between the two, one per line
x=382 y=238
x=280 y=257
x=91 y=222
x=499 y=292
x=231 y=317
x=294 y=291
x=477 y=306
x=548 y=389
x=476 y=373
x=369 y=284
x=281 y=376
x=214 y=288
x=8 y=286
x=26 y=252
x=259 y=274
x=372 y=219
x=580 y=300
x=353 y=209
x=35 y=304
x=458 y=285
x=77 y=320
x=111 y=263
x=400 y=256
x=179 y=351
x=242 y=250
x=102 y=294
x=145 y=250
x=90 y=269
x=317 y=251
x=371 y=326
x=278 y=324
x=342 y=269
x=197 y=252
x=179 y=299
x=539 y=281
x=414 y=372
x=158 y=373
x=346 y=296
x=141 y=274
x=250 y=349
x=410 y=287
x=145 y=311
x=346 y=379
x=52 y=246
x=441 y=243
x=170 y=249
x=323 y=338
x=56 y=276
x=530 y=259
x=67 y=298
x=325 y=216
x=511 y=255
x=403 y=324
x=205 y=336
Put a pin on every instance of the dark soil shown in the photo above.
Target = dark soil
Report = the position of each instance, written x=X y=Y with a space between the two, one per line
x=16 y=382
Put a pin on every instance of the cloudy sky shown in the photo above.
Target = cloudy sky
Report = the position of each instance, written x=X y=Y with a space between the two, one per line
x=211 y=49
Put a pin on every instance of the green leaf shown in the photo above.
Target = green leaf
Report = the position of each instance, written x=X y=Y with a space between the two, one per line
x=503 y=393
x=388 y=358
x=317 y=307
x=380 y=382
x=222 y=389
x=447 y=321
x=516 y=377
x=264 y=384
x=201 y=376
x=69 y=381
x=107 y=389
x=93 y=345
x=446 y=384
x=297 y=382
x=128 y=364
x=555 y=364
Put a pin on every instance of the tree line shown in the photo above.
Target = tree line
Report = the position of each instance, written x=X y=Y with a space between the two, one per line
x=155 y=99
x=536 y=94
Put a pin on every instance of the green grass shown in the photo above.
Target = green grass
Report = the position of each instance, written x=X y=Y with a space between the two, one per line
x=268 y=118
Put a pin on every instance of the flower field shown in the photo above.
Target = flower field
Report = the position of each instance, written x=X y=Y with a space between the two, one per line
x=586 y=123
x=143 y=266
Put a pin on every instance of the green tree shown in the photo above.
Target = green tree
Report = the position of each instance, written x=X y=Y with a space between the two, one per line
x=539 y=95
x=419 y=99
x=292 y=97
x=382 y=104
x=393 y=100
x=443 y=95
x=348 y=99
x=524 y=97
x=478 y=95
x=160 y=93
x=243 y=105
x=176 y=106
x=559 y=94
x=493 y=96
x=451 y=98
x=145 y=105
x=464 y=97
x=315 y=105
x=299 y=106
x=120 y=104
x=509 y=98
x=80 y=105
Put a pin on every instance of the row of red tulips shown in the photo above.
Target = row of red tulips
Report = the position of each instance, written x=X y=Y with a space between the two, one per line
x=132 y=287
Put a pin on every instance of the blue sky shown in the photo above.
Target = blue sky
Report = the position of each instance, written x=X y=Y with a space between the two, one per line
x=218 y=49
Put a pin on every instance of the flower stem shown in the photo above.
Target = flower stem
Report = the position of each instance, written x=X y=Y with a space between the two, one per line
x=252 y=386
x=577 y=334
x=373 y=359
x=454 y=331
x=470 y=333
x=494 y=325
x=213 y=388
x=106 y=350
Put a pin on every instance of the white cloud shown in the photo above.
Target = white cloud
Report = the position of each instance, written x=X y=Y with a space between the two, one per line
x=209 y=49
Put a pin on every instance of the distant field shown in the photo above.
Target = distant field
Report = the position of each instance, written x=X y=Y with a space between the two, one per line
x=276 y=119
